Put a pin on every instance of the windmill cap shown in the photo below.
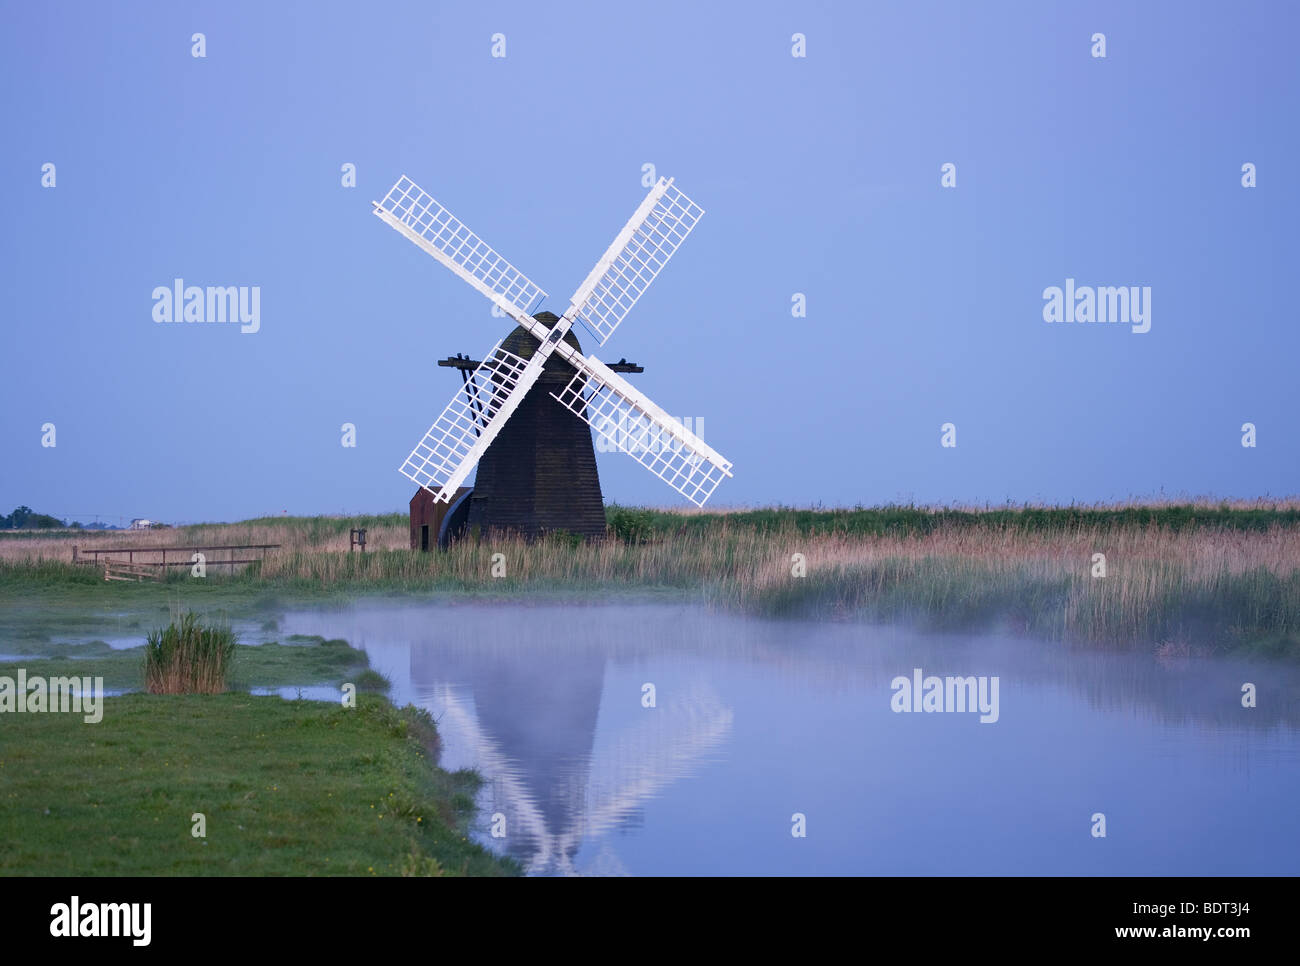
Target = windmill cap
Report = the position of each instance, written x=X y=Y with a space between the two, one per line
x=523 y=344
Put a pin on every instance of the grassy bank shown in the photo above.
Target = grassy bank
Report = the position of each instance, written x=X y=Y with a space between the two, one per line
x=300 y=661
x=1213 y=577
x=286 y=788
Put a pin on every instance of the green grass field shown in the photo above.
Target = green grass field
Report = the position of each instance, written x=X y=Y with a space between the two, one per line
x=310 y=661
x=286 y=788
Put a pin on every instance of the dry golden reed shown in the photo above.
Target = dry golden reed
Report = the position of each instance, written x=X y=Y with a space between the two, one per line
x=1191 y=578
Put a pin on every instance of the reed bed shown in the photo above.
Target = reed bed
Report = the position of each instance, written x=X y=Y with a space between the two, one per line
x=187 y=657
x=1205 y=576
x=293 y=534
x=1206 y=589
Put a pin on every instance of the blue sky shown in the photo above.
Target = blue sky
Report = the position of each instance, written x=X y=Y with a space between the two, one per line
x=820 y=175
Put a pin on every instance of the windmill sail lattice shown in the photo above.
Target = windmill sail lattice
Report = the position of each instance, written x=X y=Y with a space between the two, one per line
x=627 y=418
x=415 y=214
x=639 y=252
x=465 y=429
x=462 y=433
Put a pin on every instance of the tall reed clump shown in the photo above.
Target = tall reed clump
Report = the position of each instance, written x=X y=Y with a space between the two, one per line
x=188 y=658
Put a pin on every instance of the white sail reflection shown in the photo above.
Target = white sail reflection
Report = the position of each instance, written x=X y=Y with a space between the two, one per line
x=667 y=744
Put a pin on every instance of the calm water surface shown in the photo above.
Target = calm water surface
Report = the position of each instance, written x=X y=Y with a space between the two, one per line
x=755 y=721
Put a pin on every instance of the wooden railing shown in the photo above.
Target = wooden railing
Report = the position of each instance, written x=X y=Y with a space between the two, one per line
x=116 y=570
x=181 y=556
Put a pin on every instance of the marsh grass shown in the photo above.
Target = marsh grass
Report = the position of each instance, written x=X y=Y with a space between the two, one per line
x=1213 y=586
x=187 y=657
x=373 y=681
x=1211 y=575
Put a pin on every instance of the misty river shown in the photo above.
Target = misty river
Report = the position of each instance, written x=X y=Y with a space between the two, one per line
x=655 y=738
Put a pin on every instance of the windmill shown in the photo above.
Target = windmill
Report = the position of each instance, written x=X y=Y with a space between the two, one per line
x=624 y=416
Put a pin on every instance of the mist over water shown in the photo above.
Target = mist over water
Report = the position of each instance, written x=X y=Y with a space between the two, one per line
x=756 y=720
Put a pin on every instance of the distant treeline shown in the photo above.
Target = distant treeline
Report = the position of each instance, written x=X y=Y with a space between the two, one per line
x=25 y=518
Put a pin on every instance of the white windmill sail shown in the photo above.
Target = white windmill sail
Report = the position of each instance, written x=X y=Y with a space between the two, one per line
x=630 y=420
x=415 y=214
x=462 y=433
x=604 y=400
x=638 y=253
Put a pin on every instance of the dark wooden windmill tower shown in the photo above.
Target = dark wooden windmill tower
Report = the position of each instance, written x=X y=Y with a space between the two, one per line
x=539 y=475
x=537 y=470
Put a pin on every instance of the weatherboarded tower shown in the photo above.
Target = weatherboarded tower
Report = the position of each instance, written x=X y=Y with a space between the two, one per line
x=539 y=475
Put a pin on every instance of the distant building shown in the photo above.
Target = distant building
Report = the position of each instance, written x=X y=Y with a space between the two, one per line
x=141 y=524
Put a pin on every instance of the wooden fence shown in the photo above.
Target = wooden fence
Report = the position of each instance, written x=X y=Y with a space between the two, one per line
x=115 y=570
x=119 y=567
